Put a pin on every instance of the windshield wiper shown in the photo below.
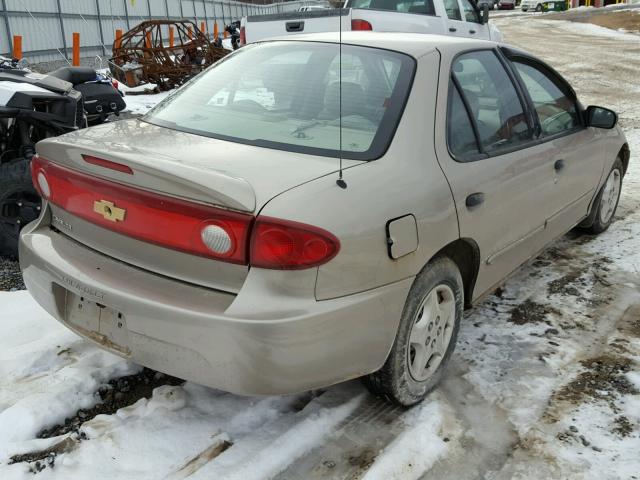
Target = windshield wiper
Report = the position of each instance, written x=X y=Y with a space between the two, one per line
x=299 y=131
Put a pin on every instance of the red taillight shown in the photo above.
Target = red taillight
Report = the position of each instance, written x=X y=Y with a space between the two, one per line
x=159 y=219
x=360 y=25
x=115 y=84
x=285 y=245
x=243 y=36
x=183 y=225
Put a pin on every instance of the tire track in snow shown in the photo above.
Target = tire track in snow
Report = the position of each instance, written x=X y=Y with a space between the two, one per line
x=272 y=448
x=353 y=445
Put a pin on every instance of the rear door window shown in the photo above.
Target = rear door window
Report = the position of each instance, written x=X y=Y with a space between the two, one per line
x=496 y=108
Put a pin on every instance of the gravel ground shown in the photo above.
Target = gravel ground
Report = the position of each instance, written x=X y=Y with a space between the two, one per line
x=10 y=276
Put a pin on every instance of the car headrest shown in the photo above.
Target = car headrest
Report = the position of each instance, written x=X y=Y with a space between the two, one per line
x=353 y=100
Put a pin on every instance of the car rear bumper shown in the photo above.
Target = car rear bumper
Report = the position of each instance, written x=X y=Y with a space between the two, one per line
x=195 y=333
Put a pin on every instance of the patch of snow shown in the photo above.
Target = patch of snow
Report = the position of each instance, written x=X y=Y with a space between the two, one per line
x=588 y=29
x=140 y=104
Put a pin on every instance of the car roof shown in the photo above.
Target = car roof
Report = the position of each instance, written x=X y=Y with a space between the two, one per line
x=414 y=44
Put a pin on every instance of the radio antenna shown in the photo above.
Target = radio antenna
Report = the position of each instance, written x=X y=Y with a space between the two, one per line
x=340 y=181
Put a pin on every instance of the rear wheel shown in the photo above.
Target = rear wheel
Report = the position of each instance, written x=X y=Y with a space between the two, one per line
x=605 y=205
x=19 y=203
x=426 y=336
x=539 y=7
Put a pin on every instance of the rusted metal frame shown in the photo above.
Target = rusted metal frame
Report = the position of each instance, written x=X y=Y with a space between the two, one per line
x=156 y=63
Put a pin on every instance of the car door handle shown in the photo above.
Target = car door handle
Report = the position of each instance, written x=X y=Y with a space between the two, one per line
x=452 y=29
x=474 y=199
x=558 y=165
x=472 y=31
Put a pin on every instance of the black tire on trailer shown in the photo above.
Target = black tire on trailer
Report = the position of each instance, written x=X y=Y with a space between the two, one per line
x=426 y=335
x=19 y=203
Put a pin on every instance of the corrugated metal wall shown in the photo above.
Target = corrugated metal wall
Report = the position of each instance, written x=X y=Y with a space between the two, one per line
x=47 y=26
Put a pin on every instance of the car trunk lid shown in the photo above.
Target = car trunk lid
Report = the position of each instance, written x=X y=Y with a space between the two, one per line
x=205 y=171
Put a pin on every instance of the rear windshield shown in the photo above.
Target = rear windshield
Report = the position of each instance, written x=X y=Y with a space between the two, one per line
x=424 y=7
x=286 y=95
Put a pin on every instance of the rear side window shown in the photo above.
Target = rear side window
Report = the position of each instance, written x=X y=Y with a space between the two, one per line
x=424 y=7
x=557 y=111
x=496 y=109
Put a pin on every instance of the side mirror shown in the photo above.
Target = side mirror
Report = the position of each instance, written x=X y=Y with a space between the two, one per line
x=601 y=117
x=485 y=14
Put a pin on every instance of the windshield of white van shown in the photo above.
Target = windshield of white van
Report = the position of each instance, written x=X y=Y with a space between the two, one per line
x=424 y=7
x=286 y=95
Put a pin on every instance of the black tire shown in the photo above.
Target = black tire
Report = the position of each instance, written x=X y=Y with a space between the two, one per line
x=595 y=223
x=19 y=203
x=395 y=380
x=539 y=7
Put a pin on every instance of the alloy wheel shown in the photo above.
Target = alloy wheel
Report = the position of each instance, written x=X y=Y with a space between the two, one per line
x=610 y=194
x=431 y=332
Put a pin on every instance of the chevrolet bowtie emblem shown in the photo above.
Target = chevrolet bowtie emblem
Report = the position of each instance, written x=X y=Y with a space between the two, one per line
x=109 y=211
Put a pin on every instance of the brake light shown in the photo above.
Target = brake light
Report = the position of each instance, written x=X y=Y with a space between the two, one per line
x=361 y=25
x=101 y=162
x=243 y=36
x=115 y=84
x=286 y=245
x=150 y=217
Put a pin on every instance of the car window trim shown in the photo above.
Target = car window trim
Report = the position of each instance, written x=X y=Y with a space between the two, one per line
x=482 y=153
x=525 y=99
x=467 y=108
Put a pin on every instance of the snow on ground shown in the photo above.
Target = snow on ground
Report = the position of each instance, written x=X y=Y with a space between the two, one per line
x=544 y=382
x=141 y=103
x=590 y=29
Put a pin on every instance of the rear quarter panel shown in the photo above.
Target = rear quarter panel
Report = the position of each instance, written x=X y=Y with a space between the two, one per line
x=406 y=180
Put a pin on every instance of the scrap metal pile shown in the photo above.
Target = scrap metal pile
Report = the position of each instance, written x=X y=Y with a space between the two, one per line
x=163 y=52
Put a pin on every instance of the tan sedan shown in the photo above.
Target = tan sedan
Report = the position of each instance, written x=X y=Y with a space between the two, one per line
x=218 y=240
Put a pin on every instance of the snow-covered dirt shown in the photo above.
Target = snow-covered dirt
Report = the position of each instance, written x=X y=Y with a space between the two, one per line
x=544 y=382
